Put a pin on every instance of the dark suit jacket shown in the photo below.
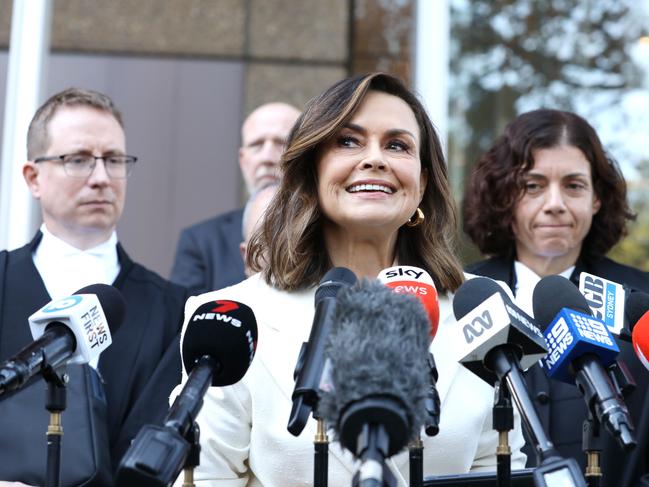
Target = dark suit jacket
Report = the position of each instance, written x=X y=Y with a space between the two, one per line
x=560 y=406
x=208 y=257
x=142 y=365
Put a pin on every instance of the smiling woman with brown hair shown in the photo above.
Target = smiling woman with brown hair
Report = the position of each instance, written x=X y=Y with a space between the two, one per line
x=363 y=186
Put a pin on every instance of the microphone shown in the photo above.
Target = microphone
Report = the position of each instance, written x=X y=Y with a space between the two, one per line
x=416 y=281
x=311 y=360
x=218 y=346
x=374 y=398
x=607 y=302
x=640 y=339
x=490 y=320
x=413 y=280
x=74 y=330
x=638 y=316
x=580 y=347
x=499 y=340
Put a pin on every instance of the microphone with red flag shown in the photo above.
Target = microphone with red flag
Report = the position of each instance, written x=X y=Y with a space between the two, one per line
x=637 y=312
x=405 y=279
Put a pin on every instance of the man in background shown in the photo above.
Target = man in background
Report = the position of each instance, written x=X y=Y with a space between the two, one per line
x=207 y=255
x=253 y=214
x=78 y=168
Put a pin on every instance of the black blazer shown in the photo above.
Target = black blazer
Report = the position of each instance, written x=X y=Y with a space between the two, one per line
x=142 y=365
x=207 y=256
x=562 y=409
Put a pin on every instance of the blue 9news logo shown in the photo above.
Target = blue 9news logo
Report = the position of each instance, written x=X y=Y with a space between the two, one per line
x=62 y=304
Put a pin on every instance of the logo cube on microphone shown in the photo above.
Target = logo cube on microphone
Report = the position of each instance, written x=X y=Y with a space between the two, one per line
x=83 y=314
x=606 y=300
x=569 y=336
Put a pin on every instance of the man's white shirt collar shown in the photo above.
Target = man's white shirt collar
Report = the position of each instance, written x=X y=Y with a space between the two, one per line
x=66 y=269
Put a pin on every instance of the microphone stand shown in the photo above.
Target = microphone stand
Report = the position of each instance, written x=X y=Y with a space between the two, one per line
x=416 y=462
x=592 y=446
x=592 y=442
x=431 y=427
x=320 y=455
x=552 y=468
x=55 y=403
x=193 y=459
x=503 y=422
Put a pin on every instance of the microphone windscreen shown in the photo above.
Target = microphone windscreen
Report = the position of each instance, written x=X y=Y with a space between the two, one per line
x=472 y=293
x=378 y=347
x=551 y=294
x=637 y=304
x=112 y=303
x=332 y=282
x=640 y=339
x=227 y=332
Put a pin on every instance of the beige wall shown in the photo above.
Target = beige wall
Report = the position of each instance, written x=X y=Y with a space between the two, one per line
x=185 y=73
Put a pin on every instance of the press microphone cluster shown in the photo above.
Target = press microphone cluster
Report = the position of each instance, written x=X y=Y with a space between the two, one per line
x=71 y=330
x=218 y=346
x=373 y=394
x=500 y=340
x=580 y=348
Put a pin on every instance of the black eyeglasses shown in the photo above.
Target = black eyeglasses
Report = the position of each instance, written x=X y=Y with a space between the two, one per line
x=82 y=165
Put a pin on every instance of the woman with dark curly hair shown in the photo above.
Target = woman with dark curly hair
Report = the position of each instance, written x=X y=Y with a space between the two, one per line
x=546 y=199
x=364 y=186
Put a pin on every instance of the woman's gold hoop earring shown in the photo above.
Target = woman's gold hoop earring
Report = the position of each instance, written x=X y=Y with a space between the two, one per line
x=416 y=219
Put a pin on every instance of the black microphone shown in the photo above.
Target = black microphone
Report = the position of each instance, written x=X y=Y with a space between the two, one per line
x=308 y=370
x=373 y=394
x=74 y=329
x=580 y=348
x=218 y=346
x=498 y=335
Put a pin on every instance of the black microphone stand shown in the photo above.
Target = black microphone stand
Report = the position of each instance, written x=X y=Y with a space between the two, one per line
x=592 y=446
x=305 y=403
x=193 y=459
x=320 y=455
x=431 y=427
x=416 y=462
x=503 y=423
x=55 y=403
x=592 y=442
x=552 y=467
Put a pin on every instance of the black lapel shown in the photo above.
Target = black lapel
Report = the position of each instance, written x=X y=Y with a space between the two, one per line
x=24 y=293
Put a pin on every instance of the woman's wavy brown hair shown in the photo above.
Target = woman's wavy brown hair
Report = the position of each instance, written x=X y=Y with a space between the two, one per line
x=497 y=182
x=289 y=247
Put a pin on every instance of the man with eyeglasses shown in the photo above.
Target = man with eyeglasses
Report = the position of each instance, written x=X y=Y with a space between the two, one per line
x=208 y=256
x=78 y=168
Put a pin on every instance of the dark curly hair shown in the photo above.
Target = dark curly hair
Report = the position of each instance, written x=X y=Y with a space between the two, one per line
x=496 y=183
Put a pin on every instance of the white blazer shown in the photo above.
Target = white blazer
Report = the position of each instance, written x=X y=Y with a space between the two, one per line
x=243 y=432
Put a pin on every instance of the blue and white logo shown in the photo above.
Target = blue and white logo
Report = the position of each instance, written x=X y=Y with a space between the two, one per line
x=592 y=329
x=62 y=304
